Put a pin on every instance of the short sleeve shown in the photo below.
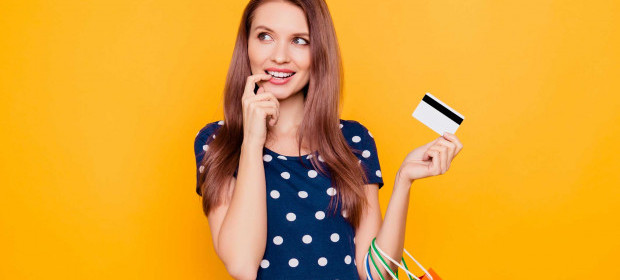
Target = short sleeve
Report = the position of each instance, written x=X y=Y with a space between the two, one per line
x=360 y=139
x=201 y=145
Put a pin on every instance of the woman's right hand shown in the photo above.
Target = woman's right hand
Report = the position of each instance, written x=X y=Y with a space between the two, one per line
x=257 y=110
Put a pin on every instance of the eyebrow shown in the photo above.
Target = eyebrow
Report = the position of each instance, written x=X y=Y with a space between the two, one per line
x=269 y=29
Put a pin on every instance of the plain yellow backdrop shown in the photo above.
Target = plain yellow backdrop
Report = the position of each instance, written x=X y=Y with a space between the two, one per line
x=100 y=102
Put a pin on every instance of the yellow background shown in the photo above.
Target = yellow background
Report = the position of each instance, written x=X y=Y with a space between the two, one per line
x=100 y=102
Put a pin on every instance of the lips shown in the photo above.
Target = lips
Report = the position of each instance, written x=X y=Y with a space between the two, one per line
x=280 y=70
x=279 y=76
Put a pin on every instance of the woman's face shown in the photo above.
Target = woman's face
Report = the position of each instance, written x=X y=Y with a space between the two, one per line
x=279 y=45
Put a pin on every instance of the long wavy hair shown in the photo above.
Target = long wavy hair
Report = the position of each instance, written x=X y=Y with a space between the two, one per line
x=320 y=125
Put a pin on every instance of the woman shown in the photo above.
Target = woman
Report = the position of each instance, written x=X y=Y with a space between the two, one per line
x=289 y=189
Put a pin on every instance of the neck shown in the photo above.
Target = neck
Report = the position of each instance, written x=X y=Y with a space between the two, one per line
x=290 y=118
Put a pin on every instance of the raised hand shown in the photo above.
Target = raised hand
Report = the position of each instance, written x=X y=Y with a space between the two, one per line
x=431 y=159
x=257 y=110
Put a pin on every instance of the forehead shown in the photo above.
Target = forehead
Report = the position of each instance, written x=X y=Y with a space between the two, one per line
x=280 y=16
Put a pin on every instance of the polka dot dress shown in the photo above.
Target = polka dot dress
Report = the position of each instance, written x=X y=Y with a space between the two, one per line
x=304 y=241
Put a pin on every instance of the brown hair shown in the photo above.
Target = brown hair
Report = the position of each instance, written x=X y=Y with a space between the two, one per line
x=320 y=125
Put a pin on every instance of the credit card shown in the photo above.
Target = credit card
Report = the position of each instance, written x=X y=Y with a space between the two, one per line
x=437 y=115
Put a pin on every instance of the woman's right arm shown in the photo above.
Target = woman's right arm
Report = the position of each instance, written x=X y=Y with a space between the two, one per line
x=239 y=224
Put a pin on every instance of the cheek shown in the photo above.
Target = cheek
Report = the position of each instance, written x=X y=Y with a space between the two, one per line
x=302 y=60
x=257 y=55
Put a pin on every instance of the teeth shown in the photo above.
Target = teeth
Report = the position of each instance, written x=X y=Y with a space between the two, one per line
x=280 y=74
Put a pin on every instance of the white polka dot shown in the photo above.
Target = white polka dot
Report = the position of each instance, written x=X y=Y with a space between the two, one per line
x=331 y=191
x=306 y=239
x=321 y=158
x=341 y=125
x=347 y=259
x=312 y=173
x=322 y=261
x=264 y=264
x=293 y=262
x=220 y=122
x=267 y=158
x=201 y=168
x=205 y=147
x=378 y=173
x=344 y=213
x=282 y=157
x=370 y=134
x=319 y=215
x=309 y=157
x=356 y=139
x=353 y=239
x=291 y=216
x=366 y=153
x=213 y=136
x=302 y=194
x=285 y=175
x=278 y=240
x=334 y=237
x=274 y=194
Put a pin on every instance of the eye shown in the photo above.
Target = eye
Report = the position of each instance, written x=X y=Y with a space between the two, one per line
x=302 y=40
x=261 y=34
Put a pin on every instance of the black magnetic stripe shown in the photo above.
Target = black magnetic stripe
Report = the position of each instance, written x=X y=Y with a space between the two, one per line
x=442 y=109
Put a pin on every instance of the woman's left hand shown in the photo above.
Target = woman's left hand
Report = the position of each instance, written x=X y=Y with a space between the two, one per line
x=431 y=159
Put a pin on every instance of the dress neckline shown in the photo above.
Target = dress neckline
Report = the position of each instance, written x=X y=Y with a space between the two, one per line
x=340 y=121
x=291 y=157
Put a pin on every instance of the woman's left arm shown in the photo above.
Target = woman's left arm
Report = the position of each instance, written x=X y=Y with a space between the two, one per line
x=431 y=159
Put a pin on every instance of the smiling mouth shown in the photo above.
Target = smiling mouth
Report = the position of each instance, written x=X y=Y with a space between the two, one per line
x=280 y=75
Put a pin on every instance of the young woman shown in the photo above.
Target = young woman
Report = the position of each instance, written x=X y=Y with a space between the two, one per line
x=290 y=190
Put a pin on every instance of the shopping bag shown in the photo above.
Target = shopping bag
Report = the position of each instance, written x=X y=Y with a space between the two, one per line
x=431 y=272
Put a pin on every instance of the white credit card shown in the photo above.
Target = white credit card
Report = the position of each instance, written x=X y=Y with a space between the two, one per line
x=437 y=115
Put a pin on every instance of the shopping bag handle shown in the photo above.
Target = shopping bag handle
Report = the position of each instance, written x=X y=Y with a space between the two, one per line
x=373 y=246
x=367 y=265
x=376 y=250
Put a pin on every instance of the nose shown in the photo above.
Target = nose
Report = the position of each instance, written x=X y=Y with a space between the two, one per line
x=280 y=54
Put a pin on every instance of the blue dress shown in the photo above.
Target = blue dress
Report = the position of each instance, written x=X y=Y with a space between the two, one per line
x=303 y=240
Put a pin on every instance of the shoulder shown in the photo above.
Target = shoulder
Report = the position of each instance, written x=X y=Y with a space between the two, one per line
x=352 y=128
x=205 y=135
x=209 y=129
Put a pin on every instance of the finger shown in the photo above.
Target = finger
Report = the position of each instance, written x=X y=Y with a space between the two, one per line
x=272 y=104
x=428 y=145
x=442 y=157
x=272 y=113
x=272 y=98
x=427 y=154
x=260 y=90
x=454 y=140
x=433 y=142
x=273 y=109
x=266 y=96
x=451 y=149
x=251 y=81
x=434 y=167
x=266 y=104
